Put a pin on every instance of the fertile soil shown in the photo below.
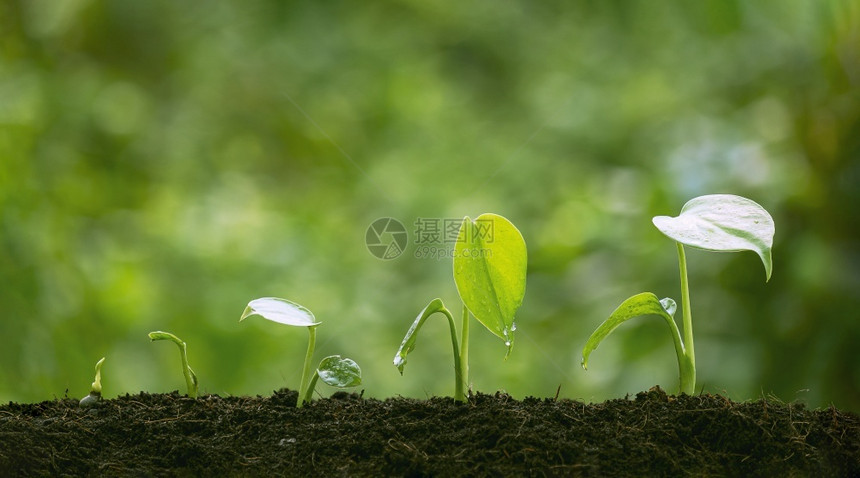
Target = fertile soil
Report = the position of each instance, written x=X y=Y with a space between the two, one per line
x=346 y=435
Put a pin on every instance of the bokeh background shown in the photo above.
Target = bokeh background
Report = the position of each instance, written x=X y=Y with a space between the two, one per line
x=162 y=163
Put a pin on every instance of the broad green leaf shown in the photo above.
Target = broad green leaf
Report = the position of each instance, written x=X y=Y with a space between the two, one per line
x=280 y=310
x=645 y=303
x=339 y=372
x=408 y=343
x=490 y=261
x=723 y=223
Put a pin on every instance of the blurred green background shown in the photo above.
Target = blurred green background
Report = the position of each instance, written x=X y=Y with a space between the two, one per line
x=163 y=163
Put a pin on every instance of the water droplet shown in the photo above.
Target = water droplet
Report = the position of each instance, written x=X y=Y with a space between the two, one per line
x=513 y=327
x=508 y=343
x=669 y=305
x=398 y=360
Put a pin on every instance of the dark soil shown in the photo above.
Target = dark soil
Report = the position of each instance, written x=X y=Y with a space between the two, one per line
x=346 y=435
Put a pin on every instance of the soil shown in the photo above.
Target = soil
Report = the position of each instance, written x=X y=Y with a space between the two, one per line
x=652 y=434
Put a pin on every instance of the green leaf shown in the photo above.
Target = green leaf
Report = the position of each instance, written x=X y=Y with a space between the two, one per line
x=722 y=223
x=490 y=261
x=645 y=303
x=411 y=336
x=280 y=310
x=339 y=372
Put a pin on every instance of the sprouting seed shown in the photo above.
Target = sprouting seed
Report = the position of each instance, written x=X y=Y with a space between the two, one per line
x=96 y=389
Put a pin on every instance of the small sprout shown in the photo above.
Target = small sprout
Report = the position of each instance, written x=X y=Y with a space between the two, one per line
x=333 y=370
x=96 y=390
x=490 y=261
x=716 y=222
x=190 y=377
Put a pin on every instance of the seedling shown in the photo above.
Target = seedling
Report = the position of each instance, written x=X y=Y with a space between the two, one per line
x=490 y=274
x=190 y=377
x=333 y=370
x=96 y=390
x=717 y=222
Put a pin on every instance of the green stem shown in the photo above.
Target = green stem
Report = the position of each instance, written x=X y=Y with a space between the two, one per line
x=460 y=372
x=459 y=390
x=310 y=391
x=190 y=378
x=464 y=354
x=687 y=366
x=304 y=387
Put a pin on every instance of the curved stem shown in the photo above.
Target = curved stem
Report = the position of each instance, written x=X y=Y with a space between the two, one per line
x=408 y=344
x=190 y=378
x=459 y=376
x=304 y=393
x=688 y=365
x=464 y=353
x=459 y=380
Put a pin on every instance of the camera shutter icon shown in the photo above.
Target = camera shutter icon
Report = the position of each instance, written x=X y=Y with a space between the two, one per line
x=386 y=238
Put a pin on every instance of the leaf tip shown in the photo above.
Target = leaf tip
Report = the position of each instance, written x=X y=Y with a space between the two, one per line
x=399 y=362
x=247 y=313
x=584 y=361
x=767 y=261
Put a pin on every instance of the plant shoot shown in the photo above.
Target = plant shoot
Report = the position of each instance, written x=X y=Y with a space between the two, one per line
x=190 y=377
x=717 y=222
x=334 y=370
x=96 y=389
x=490 y=261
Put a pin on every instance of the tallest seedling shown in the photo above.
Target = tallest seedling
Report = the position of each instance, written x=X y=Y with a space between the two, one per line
x=718 y=222
x=490 y=272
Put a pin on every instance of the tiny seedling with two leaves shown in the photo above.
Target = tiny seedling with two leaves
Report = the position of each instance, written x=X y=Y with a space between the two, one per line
x=334 y=370
x=490 y=274
x=190 y=377
x=717 y=222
